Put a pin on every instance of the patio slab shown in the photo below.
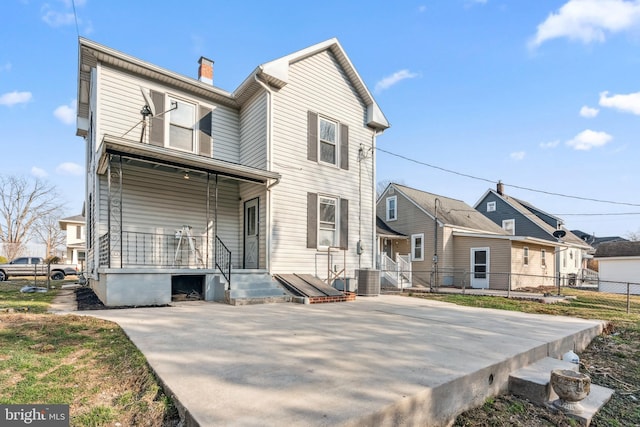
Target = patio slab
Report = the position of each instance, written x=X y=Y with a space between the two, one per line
x=384 y=361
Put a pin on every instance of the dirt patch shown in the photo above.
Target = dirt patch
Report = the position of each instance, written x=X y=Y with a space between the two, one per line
x=612 y=360
x=88 y=300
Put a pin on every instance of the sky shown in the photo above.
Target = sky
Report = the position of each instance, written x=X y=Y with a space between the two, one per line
x=543 y=95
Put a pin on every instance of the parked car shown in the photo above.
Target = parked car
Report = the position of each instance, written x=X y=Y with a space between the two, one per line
x=35 y=266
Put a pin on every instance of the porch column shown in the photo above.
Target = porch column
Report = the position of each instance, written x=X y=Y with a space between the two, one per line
x=114 y=220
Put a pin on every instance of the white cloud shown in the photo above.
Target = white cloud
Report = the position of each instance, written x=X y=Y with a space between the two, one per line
x=69 y=168
x=588 y=139
x=422 y=8
x=12 y=98
x=6 y=66
x=517 y=155
x=58 y=19
x=550 y=144
x=66 y=113
x=38 y=172
x=588 y=112
x=396 y=77
x=629 y=103
x=588 y=21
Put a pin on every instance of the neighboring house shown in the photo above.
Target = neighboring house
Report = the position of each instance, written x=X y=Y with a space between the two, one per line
x=450 y=243
x=75 y=247
x=619 y=265
x=520 y=218
x=190 y=183
x=594 y=241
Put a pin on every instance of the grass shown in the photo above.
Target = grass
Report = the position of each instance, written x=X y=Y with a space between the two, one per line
x=12 y=300
x=612 y=360
x=87 y=363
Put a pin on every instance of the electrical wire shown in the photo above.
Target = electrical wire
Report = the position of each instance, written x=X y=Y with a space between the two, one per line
x=588 y=199
x=75 y=16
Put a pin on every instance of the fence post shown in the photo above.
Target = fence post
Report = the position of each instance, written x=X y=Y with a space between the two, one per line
x=628 y=298
x=508 y=285
x=558 y=280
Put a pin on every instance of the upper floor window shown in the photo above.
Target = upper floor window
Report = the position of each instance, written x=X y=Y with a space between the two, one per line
x=509 y=225
x=327 y=141
x=525 y=255
x=491 y=206
x=182 y=122
x=78 y=232
x=543 y=257
x=392 y=208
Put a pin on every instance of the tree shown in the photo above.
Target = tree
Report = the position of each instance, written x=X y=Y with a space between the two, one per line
x=634 y=236
x=382 y=185
x=47 y=230
x=22 y=202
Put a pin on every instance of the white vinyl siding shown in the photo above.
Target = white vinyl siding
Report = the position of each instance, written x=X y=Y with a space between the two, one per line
x=120 y=100
x=253 y=132
x=318 y=84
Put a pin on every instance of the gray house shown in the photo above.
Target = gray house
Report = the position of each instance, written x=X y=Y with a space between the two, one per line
x=190 y=186
x=521 y=218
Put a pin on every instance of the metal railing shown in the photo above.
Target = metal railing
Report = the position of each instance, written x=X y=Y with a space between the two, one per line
x=223 y=260
x=104 y=251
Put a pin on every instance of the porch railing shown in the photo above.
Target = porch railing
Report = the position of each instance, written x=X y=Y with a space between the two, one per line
x=223 y=260
x=151 y=250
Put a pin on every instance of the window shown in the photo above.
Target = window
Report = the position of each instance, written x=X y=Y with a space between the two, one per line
x=328 y=141
x=417 y=247
x=78 y=232
x=491 y=206
x=509 y=225
x=392 y=209
x=181 y=125
x=525 y=255
x=20 y=261
x=543 y=257
x=327 y=221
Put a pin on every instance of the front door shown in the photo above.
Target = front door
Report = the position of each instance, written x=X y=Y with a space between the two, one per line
x=480 y=268
x=251 y=234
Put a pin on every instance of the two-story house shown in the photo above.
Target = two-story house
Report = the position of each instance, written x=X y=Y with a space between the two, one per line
x=75 y=240
x=521 y=218
x=449 y=243
x=189 y=183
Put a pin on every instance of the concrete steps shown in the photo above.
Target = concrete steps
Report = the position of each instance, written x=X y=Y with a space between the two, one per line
x=255 y=287
x=533 y=382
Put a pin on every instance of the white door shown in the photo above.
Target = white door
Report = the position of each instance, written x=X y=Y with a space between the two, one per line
x=480 y=268
x=251 y=235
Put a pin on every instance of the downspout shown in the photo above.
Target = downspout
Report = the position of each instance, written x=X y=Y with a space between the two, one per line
x=374 y=246
x=268 y=230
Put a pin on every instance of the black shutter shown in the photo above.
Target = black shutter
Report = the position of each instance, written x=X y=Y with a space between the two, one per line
x=204 y=130
x=344 y=147
x=312 y=136
x=156 y=135
x=312 y=220
x=344 y=224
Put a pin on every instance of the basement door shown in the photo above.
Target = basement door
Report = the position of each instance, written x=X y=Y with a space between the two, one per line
x=251 y=235
x=480 y=268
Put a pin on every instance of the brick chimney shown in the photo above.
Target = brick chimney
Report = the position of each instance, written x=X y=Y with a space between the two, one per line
x=500 y=188
x=205 y=70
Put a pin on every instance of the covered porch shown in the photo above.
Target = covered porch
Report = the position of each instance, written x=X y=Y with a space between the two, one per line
x=163 y=214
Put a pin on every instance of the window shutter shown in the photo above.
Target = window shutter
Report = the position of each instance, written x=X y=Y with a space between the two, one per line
x=344 y=147
x=312 y=137
x=312 y=220
x=156 y=135
x=204 y=130
x=344 y=224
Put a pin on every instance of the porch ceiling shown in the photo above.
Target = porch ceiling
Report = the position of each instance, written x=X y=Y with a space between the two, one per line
x=188 y=161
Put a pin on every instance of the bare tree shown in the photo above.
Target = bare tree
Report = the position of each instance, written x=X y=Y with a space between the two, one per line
x=22 y=203
x=383 y=184
x=47 y=230
x=634 y=236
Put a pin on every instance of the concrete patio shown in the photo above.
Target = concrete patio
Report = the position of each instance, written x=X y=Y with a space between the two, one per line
x=383 y=361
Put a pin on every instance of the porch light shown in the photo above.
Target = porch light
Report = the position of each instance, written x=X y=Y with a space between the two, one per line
x=186 y=175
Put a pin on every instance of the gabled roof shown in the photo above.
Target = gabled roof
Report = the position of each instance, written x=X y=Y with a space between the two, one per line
x=595 y=241
x=527 y=211
x=76 y=219
x=275 y=72
x=451 y=212
x=618 y=249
